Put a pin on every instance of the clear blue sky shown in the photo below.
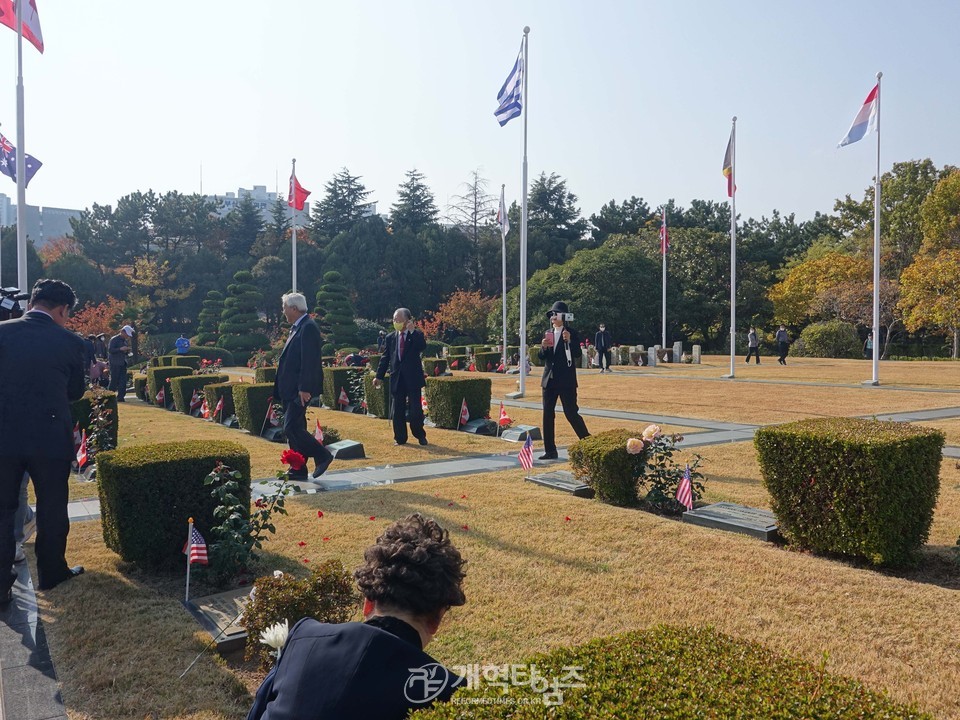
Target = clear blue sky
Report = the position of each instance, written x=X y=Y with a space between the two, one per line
x=626 y=98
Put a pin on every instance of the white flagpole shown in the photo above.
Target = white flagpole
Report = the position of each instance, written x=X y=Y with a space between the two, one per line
x=663 y=251
x=733 y=250
x=293 y=222
x=876 y=253
x=22 y=279
x=189 y=549
x=523 y=221
x=503 y=253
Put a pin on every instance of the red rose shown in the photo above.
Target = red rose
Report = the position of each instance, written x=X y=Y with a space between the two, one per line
x=294 y=459
x=320 y=514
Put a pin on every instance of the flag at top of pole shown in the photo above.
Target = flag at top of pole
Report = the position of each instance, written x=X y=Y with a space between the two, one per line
x=502 y=220
x=297 y=195
x=664 y=233
x=510 y=96
x=728 y=164
x=866 y=119
x=8 y=162
x=31 y=21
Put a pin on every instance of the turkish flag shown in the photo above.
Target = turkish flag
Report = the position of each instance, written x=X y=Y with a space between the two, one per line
x=31 y=21
x=298 y=195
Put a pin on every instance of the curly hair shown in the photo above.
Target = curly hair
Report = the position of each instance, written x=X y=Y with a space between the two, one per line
x=413 y=567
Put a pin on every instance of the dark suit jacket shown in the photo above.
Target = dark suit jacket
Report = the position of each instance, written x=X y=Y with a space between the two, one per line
x=410 y=367
x=299 y=368
x=602 y=340
x=555 y=362
x=351 y=671
x=114 y=353
x=41 y=372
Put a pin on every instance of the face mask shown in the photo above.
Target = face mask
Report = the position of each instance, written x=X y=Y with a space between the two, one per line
x=398 y=326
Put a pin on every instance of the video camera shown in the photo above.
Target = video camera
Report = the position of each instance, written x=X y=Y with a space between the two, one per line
x=566 y=317
x=10 y=298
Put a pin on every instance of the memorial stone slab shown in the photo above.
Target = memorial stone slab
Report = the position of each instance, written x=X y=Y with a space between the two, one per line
x=217 y=614
x=755 y=522
x=696 y=354
x=480 y=426
x=347 y=450
x=677 y=351
x=231 y=422
x=562 y=480
x=652 y=357
x=520 y=433
x=274 y=434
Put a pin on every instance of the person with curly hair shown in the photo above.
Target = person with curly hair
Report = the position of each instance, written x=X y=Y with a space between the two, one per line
x=378 y=668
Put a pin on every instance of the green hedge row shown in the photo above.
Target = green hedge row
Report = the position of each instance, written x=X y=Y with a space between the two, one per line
x=458 y=362
x=378 y=401
x=264 y=374
x=434 y=366
x=603 y=462
x=148 y=492
x=251 y=403
x=446 y=394
x=434 y=349
x=182 y=388
x=216 y=391
x=80 y=412
x=157 y=377
x=190 y=361
x=140 y=387
x=336 y=378
x=533 y=351
x=675 y=673
x=487 y=361
x=860 y=488
x=213 y=354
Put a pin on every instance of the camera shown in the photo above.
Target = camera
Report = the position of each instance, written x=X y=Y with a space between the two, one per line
x=10 y=298
x=566 y=317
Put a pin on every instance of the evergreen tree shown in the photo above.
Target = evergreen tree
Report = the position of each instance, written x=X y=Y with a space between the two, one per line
x=415 y=208
x=341 y=207
x=209 y=318
x=555 y=230
x=244 y=227
x=275 y=231
x=336 y=312
x=241 y=330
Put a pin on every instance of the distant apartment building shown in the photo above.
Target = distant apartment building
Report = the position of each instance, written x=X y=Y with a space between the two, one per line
x=43 y=223
x=264 y=200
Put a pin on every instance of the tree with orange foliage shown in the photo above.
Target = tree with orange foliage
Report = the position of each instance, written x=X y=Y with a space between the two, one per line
x=95 y=319
x=466 y=311
x=57 y=248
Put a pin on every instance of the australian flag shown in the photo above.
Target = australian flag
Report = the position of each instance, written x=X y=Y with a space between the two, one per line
x=8 y=162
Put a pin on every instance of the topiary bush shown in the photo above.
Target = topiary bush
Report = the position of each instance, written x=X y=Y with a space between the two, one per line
x=209 y=319
x=860 y=488
x=458 y=362
x=434 y=349
x=190 y=361
x=148 y=492
x=140 y=387
x=328 y=595
x=487 y=361
x=251 y=401
x=829 y=339
x=241 y=330
x=434 y=366
x=264 y=374
x=165 y=360
x=336 y=310
x=602 y=461
x=673 y=672
x=341 y=377
x=446 y=394
x=80 y=411
x=378 y=401
x=458 y=350
x=157 y=378
x=181 y=388
x=214 y=392
x=211 y=354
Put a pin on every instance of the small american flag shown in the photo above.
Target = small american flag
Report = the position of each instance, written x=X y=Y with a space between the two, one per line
x=196 y=548
x=526 y=454
x=685 y=490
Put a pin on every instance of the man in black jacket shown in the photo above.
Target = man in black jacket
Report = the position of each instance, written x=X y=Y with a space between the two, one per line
x=375 y=669
x=41 y=372
x=403 y=355
x=560 y=350
x=603 y=343
x=300 y=378
x=117 y=351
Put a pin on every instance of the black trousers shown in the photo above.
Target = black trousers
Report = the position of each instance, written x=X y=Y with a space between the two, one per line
x=118 y=380
x=755 y=352
x=604 y=359
x=298 y=438
x=50 y=476
x=571 y=410
x=406 y=403
x=784 y=349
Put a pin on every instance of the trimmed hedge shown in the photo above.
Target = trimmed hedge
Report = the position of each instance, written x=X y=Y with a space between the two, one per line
x=147 y=493
x=328 y=360
x=140 y=387
x=214 y=353
x=264 y=374
x=336 y=378
x=181 y=388
x=157 y=377
x=190 y=361
x=670 y=673
x=487 y=358
x=860 y=488
x=434 y=366
x=458 y=350
x=446 y=394
x=214 y=392
x=434 y=349
x=602 y=461
x=378 y=401
x=533 y=352
x=250 y=401
x=373 y=360
x=462 y=361
x=80 y=412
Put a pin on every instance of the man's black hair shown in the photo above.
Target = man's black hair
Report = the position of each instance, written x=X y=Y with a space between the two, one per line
x=53 y=293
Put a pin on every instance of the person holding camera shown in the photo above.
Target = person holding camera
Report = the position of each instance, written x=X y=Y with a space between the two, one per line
x=560 y=350
x=118 y=349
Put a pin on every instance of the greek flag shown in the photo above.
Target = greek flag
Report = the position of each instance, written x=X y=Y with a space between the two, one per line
x=511 y=94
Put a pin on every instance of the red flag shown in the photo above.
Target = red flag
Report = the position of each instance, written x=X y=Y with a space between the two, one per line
x=423 y=402
x=31 y=21
x=161 y=398
x=297 y=195
x=472 y=367
x=82 y=458
x=219 y=408
x=343 y=399
x=464 y=413
x=489 y=367
x=318 y=433
x=363 y=404
x=504 y=418
x=204 y=408
x=453 y=365
x=195 y=401
x=664 y=235
x=77 y=437
x=436 y=370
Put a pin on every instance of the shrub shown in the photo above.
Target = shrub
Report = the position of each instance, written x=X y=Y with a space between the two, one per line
x=215 y=391
x=190 y=361
x=80 y=411
x=445 y=395
x=165 y=360
x=148 y=492
x=241 y=330
x=341 y=377
x=264 y=374
x=603 y=462
x=378 y=401
x=209 y=318
x=434 y=349
x=533 y=352
x=373 y=361
x=250 y=402
x=330 y=435
x=328 y=360
x=829 y=339
x=673 y=673
x=157 y=378
x=336 y=311
x=434 y=366
x=212 y=354
x=327 y=595
x=860 y=488
x=487 y=360
x=140 y=387
x=181 y=388
x=461 y=341
x=458 y=362
x=458 y=350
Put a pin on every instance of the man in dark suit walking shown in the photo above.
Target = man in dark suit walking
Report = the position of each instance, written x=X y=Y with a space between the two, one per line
x=41 y=372
x=403 y=355
x=603 y=343
x=560 y=350
x=300 y=378
x=117 y=351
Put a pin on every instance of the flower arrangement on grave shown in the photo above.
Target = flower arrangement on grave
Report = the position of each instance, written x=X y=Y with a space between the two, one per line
x=260 y=359
x=661 y=475
x=209 y=367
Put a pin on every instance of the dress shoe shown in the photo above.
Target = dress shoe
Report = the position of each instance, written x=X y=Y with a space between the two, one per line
x=322 y=466
x=397 y=442
x=71 y=574
x=548 y=456
x=423 y=440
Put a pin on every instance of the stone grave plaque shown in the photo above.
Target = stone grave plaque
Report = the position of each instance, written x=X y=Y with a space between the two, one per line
x=274 y=434
x=736 y=518
x=677 y=351
x=652 y=357
x=519 y=433
x=480 y=426
x=347 y=450
x=696 y=354
x=231 y=422
x=562 y=480
x=216 y=614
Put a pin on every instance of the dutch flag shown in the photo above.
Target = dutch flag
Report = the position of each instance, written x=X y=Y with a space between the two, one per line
x=511 y=94
x=866 y=119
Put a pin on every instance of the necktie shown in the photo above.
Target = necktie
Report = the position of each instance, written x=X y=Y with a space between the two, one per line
x=402 y=337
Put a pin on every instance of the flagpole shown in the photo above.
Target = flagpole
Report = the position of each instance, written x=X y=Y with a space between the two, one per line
x=663 y=251
x=733 y=250
x=189 y=548
x=503 y=253
x=523 y=221
x=876 y=253
x=293 y=222
x=22 y=279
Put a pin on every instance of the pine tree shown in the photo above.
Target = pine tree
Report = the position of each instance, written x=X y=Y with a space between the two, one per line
x=336 y=312
x=209 y=317
x=415 y=207
x=241 y=330
x=342 y=206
